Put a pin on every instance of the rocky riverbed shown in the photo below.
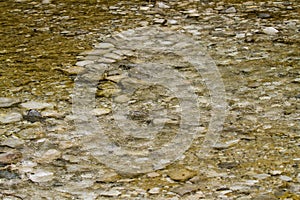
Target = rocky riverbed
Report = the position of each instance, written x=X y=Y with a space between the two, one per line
x=52 y=51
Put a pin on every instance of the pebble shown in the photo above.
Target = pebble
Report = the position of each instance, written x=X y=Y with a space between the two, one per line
x=33 y=116
x=270 y=31
x=111 y=193
x=181 y=174
x=153 y=174
x=35 y=105
x=6 y=102
x=84 y=63
x=285 y=178
x=12 y=142
x=154 y=190
x=162 y=5
x=100 y=111
x=75 y=70
x=10 y=117
x=230 y=10
x=41 y=176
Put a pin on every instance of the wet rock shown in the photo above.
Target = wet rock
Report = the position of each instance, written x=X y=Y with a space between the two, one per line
x=33 y=116
x=181 y=174
x=10 y=117
x=41 y=176
x=185 y=189
x=8 y=102
x=34 y=105
x=10 y=157
x=270 y=31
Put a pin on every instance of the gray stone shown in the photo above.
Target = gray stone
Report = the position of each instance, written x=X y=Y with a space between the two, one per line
x=270 y=31
x=111 y=193
x=8 y=102
x=10 y=117
x=154 y=190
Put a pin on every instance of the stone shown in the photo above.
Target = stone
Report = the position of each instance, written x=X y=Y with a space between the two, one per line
x=31 y=133
x=185 y=189
x=6 y=102
x=230 y=10
x=10 y=117
x=12 y=142
x=84 y=63
x=100 y=111
x=162 y=5
x=41 y=176
x=34 y=105
x=270 y=31
x=154 y=190
x=111 y=193
x=104 y=46
x=49 y=156
x=181 y=174
x=10 y=157
x=75 y=70
x=285 y=178
x=33 y=116
x=153 y=174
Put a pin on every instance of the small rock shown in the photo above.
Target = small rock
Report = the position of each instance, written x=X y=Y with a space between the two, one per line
x=8 y=102
x=31 y=133
x=264 y=15
x=181 y=174
x=100 y=111
x=261 y=176
x=10 y=117
x=230 y=10
x=8 y=174
x=52 y=113
x=84 y=63
x=270 y=31
x=111 y=193
x=50 y=155
x=285 y=178
x=33 y=116
x=162 y=5
x=275 y=172
x=153 y=174
x=75 y=70
x=41 y=176
x=154 y=190
x=226 y=145
x=185 y=189
x=172 y=21
x=34 y=105
x=104 y=46
x=12 y=142
x=10 y=157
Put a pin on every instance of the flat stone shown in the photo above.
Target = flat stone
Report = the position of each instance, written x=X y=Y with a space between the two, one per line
x=181 y=174
x=10 y=157
x=41 y=176
x=100 y=111
x=36 y=105
x=75 y=70
x=12 y=142
x=111 y=193
x=8 y=102
x=49 y=156
x=104 y=46
x=185 y=189
x=270 y=31
x=10 y=117
x=230 y=10
x=285 y=178
x=84 y=63
x=154 y=190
